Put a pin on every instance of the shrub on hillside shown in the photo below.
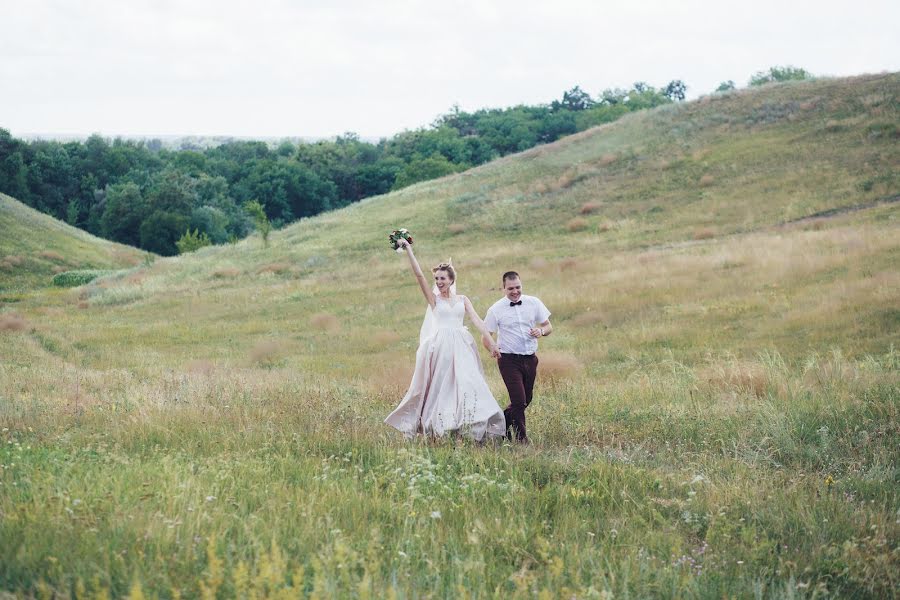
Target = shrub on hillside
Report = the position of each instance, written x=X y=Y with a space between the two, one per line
x=776 y=74
x=192 y=240
x=77 y=278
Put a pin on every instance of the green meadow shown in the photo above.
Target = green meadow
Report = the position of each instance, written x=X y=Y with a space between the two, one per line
x=716 y=412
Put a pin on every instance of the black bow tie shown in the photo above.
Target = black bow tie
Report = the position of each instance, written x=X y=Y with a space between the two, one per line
x=519 y=303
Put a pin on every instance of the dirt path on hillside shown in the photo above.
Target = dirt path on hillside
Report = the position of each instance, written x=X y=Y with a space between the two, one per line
x=832 y=212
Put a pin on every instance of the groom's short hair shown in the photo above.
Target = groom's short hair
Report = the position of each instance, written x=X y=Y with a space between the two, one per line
x=509 y=275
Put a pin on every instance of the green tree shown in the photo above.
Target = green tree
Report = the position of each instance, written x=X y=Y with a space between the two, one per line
x=123 y=213
x=676 y=90
x=161 y=230
x=258 y=212
x=73 y=212
x=424 y=169
x=192 y=240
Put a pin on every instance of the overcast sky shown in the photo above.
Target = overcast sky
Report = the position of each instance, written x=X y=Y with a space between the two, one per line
x=302 y=68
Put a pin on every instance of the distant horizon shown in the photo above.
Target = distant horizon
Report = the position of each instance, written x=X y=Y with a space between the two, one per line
x=58 y=136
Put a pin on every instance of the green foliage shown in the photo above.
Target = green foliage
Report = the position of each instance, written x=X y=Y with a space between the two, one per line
x=192 y=240
x=124 y=211
x=676 y=90
x=161 y=230
x=726 y=86
x=258 y=212
x=79 y=277
x=73 y=210
x=423 y=169
x=778 y=74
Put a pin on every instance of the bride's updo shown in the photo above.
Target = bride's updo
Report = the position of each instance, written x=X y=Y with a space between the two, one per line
x=446 y=266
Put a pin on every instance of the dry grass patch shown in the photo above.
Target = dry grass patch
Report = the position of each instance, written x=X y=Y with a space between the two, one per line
x=707 y=180
x=577 y=224
x=325 y=322
x=51 y=255
x=200 y=366
x=589 y=208
x=391 y=381
x=226 y=273
x=539 y=264
x=570 y=264
x=738 y=376
x=266 y=352
x=13 y=322
x=567 y=179
x=385 y=338
x=275 y=268
x=83 y=305
x=456 y=228
x=607 y=159
x=558 y=366
x=11 y=261
x=588 y=319
x=704 y=233
x=540 y=188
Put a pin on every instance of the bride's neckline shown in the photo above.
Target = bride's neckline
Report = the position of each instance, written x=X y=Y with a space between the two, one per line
x=452 y=300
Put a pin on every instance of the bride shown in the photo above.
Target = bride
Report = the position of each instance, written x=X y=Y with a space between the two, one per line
x=448 y=392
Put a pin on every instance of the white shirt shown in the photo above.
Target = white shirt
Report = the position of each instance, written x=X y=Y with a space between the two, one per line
x=513 y=322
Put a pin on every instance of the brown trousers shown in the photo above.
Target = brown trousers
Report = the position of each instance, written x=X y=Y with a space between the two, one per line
x=519 y=372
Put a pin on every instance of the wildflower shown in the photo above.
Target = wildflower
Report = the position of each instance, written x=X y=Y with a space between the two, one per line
x=435 y=514
x=829 y=481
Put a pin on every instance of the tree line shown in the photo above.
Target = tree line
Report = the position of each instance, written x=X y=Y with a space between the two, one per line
x=141 y=194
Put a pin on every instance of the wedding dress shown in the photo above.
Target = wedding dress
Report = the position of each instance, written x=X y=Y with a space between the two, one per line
x=448 y=392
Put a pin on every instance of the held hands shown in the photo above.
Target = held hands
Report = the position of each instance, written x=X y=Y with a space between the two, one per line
x=495 y=351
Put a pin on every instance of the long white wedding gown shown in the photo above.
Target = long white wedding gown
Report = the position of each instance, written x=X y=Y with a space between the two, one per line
x=448 y=392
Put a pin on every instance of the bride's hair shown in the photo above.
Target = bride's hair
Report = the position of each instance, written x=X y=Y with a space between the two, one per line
x=446 y=266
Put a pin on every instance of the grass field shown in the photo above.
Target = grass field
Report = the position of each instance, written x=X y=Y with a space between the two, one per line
x=716 y=413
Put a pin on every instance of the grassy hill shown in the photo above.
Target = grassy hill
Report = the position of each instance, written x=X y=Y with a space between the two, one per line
x=716 y=412
x=35 y=246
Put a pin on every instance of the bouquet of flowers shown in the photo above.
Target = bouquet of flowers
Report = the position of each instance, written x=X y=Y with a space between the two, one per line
x=396 y=236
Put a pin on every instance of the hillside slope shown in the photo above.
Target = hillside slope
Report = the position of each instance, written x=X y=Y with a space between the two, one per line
x=660 y=227
x=34 y=246
x=716 y=412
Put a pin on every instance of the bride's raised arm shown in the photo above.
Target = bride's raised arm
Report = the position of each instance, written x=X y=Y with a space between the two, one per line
x=417 y=271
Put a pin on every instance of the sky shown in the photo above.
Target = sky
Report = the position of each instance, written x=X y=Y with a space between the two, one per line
x=280 y=68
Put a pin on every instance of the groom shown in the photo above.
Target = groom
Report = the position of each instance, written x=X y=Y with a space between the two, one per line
x=518 y=320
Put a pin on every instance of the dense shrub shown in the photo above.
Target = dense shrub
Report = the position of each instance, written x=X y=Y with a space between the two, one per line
x=80 y=277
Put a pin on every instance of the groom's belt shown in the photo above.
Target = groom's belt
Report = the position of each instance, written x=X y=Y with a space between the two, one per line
x=514 y=354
